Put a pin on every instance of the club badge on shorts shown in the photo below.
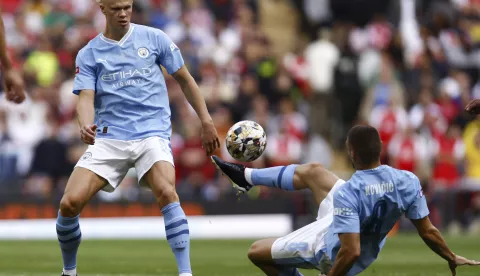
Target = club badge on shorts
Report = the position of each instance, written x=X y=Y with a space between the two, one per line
x=87 y=155
x=143 y=52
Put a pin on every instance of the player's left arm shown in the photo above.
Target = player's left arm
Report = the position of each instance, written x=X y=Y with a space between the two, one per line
x=171 y=59
x=418 y=212
x=192 y=93
x=346 y=224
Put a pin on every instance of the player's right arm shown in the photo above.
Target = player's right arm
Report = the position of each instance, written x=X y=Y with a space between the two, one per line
x=86 y=115
x=346 y=224
x=13 y=81
x=84 y=86
x=473 y=107
x=418 y=214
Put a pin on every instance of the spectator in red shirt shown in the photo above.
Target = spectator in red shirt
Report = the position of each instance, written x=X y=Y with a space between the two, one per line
x=447 y=106
x=389 y=120
x=407 y=150
x=195 y=166
x=284 y=147
x=449 y=151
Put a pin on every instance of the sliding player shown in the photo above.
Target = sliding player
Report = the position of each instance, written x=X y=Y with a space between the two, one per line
x=354 y=217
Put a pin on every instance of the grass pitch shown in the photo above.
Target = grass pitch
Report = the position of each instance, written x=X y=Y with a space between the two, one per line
x=402 y=255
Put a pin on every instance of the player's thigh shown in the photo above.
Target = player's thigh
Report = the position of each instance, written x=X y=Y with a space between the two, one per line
x=303 y=248
x=155 y=169
x=315 y=177
x=160 y=178
x=82 y=185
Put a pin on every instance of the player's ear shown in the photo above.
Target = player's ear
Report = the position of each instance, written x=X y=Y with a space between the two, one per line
x=102 y=8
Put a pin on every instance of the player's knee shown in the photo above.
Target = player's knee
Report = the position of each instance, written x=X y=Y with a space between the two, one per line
x=71 y=206
x=310 y=170
x=166 y=196
x=252 y=253
x=255 y=252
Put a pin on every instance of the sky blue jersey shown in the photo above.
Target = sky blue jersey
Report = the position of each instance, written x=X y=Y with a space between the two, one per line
x=370 y=203
x=131 y=100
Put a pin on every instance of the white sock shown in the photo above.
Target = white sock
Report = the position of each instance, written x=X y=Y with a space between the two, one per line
x=70 y=272
x=248 y=175
x=186 y=274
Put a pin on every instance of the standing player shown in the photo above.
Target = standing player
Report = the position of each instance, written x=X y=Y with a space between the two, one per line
x=13 y=83
x=354 y=217
x=124 y=115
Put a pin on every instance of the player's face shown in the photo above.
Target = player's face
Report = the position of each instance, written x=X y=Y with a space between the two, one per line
x=117 y=12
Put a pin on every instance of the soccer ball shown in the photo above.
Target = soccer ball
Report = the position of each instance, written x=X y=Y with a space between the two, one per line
x=246 y=141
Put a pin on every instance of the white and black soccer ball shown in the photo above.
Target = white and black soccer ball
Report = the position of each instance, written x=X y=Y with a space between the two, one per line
x=246 y=141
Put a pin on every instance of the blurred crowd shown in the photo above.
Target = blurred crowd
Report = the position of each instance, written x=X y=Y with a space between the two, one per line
x=306 y=70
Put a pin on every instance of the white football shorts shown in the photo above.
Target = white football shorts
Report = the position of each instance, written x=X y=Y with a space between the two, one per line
x=111 y=159
x=305 y=247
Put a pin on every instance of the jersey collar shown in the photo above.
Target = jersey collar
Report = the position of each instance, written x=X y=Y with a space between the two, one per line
x=379 y=168
x=122 y=41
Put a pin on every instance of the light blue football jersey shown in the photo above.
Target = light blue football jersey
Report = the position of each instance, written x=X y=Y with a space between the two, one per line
x=131 y=100
x=370 y=203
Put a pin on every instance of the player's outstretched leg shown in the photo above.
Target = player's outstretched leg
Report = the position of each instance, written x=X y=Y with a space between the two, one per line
x=81 y=186
x=161 y=179
x=311 y=176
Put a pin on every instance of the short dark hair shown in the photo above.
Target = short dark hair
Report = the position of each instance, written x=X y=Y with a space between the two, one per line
x=365 y=142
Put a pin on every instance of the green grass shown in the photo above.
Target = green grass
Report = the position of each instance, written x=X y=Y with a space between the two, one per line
x=403 y=255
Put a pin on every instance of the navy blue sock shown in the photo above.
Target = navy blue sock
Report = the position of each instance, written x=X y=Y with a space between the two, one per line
x=279 y=177
x=178 y=235
x=69 y=237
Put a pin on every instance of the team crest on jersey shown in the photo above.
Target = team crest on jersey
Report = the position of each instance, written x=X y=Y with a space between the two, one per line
x=143 y=52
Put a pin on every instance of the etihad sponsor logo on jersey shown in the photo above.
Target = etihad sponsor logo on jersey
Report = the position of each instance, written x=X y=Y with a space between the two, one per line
x=343 y=212
x=143 y=72
x=382 y=188
x=129 y=82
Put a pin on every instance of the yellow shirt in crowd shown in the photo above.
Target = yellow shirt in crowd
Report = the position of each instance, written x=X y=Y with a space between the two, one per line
x=44 y=65
x=471 y=138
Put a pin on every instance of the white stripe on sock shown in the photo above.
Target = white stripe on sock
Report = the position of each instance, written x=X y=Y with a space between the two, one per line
x=70 y=272
x=248 y=175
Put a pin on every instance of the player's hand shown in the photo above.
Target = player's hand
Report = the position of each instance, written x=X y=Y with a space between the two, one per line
x=473 y=107
x=14 y=88
x=209 y=136
x=459 y=261
x=88 y=133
